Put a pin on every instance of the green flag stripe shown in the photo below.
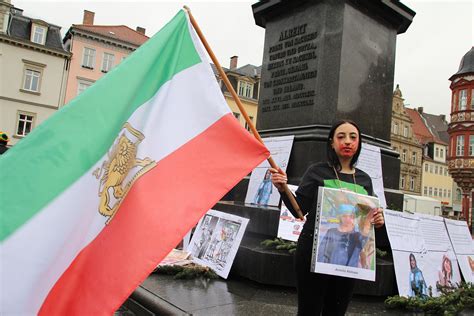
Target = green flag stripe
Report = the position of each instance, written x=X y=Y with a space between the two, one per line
x=337 y=184
x=70 y=142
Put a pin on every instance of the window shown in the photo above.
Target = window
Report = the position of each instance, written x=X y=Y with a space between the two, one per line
x=425 y=190
x=458 y=194
x=449 y=193
x=32 y=80
x=426 y=167
x=437 y=152
x=441 y=153
x=402 y=182
x=435 y=191
x=38 y=34
x=395 y=128
x=88 y=59
x=107 y=62
x=413 y=158
x=25 y=123
x=471 y=145
x=446 y=171
x=460 y=145
x=445 y=193
x=247 y=127
x=431 y=168
x=430 y=191
x=83 y=85
x=405 y=131
x=245 y=89
x=472 y=99
x=436 y=169
x=404 y=155
x=462 y=100
x=412 y=183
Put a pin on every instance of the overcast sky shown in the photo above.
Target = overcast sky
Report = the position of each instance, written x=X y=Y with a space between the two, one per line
x=427 y=54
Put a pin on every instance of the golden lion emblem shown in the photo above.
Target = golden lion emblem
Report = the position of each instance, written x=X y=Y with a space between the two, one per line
x=120 y=170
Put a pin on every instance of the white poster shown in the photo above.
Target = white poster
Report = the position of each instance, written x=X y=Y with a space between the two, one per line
x=261 y=190
x=370 y=161
x=443 y=269
x=422 y=253
x=409 y=252
x=463 y=247
x=344 y=242
x=216 y=240
x=289 y=227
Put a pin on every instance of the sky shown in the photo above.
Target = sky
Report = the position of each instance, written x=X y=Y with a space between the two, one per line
x=426 y=55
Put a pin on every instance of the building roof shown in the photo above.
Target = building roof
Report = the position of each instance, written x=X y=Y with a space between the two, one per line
x=438 y=126
x=421 y=130
x=20 y=26
x=116 y=32
x=247 y=70
x=467 y=64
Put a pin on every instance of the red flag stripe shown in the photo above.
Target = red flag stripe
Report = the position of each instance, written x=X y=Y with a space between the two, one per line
x=158 y=211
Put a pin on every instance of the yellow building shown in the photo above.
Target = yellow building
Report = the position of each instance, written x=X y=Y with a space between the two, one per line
x=246 y=82
x=405 y=143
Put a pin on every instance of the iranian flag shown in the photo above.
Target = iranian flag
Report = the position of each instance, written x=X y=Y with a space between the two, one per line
x=95 y=197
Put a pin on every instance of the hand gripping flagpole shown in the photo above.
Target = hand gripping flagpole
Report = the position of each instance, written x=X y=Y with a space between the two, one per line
x=254 y=131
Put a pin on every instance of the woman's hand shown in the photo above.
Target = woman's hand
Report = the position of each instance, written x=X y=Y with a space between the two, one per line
x=378 y=220
x=279 y=178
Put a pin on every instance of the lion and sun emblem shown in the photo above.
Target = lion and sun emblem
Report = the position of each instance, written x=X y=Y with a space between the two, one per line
x=120 y=170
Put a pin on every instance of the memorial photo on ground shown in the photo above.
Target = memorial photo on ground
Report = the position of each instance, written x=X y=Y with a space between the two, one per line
x=216 y=240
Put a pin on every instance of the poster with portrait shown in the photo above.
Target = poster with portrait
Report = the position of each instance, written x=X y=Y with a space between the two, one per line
x=463 y=247
x=289 y=227
x=409 y=252
x=344 y=242
x=443 y=271
x=422 y=253
x=261 y=190
x=216 y=240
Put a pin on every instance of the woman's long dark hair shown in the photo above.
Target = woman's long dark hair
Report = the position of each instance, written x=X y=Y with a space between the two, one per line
x=332 y=157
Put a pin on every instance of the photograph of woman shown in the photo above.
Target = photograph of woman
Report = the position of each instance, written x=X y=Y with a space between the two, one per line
x=321 y=293
x=264 y=190
x=343 y=245
x=416 y=279
x=446 y=273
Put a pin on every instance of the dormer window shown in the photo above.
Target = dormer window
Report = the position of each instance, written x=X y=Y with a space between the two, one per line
x=38 y=34
x=245 y=89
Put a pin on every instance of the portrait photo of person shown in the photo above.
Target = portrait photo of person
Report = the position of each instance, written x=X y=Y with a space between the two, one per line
x=416 y=280
x=342 y=245
x=264 y=190
x=446 y=274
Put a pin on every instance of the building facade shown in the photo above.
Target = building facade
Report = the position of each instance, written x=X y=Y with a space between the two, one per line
x=96 y=49
x=436 y=181
x=33 y=71
x=245 y=81
x=405 y=143
x=461 y=132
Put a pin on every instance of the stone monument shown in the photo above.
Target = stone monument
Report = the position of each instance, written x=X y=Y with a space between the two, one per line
x=323 y=60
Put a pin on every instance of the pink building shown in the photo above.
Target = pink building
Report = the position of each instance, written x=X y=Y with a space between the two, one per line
x=96 y=49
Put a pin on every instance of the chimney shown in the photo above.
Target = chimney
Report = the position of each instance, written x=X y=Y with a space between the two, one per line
x=420 y=109
x=88 y=18
x=141 y=30
x=233 y=62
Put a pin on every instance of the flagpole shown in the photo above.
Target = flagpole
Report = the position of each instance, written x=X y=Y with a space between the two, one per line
x=240 y=106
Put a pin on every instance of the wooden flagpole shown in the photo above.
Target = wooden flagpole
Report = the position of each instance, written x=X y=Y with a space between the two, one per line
x=240 y=106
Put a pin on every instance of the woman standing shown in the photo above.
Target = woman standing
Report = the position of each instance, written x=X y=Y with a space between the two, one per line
x=321 y=293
